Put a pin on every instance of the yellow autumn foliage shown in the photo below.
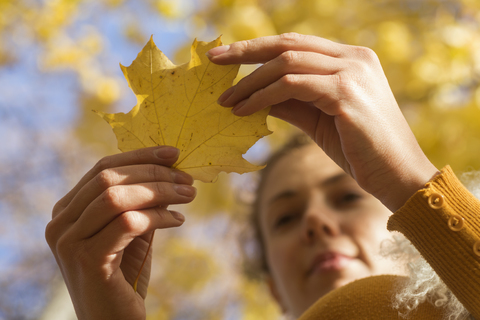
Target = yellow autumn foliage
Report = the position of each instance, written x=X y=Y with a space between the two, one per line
x=430 y=51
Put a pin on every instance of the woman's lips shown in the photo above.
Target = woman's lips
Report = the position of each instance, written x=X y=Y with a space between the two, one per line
x=328 y=262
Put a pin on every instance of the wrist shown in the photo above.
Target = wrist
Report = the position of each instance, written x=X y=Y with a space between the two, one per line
x=405 y=185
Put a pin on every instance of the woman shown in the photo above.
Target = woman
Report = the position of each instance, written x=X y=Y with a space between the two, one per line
x=336 y=94
x=318 y=229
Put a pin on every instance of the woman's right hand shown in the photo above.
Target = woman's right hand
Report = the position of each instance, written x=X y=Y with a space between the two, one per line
x=100 y=230
x=337 y=94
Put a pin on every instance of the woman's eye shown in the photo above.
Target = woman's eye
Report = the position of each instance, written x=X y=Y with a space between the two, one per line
x=284 y=220
x=349 y=198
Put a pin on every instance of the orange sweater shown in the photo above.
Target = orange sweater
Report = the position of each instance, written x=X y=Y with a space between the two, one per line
x=443 y=223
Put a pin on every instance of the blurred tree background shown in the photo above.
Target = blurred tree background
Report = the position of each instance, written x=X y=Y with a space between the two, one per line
x=59 y=60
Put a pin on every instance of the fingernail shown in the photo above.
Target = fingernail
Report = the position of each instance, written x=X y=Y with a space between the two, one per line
x=177 y=215
x=183 y=190
x=239 y=106
x=225 y=95
x=167 y=152
x=217 y=51
x=181 y=177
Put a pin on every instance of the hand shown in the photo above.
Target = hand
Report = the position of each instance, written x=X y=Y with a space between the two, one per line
x=100 y=230
x=339 y=96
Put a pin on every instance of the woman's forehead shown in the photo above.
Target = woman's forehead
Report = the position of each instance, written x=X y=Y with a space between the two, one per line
x=302 y=167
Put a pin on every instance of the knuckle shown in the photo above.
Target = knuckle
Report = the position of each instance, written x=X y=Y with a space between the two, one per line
x=156 y=172
x=363 y=68
x=139 y=154
x=63 y=247
x=243 y=45
x=349 y=86
x=160 y=190
x=106 y=178
x=57 y=208
x=365 y=54
x=345 y=83
x=290 y=80
x=103 y=164
x=290 y=37
x=51 y=231
x=288 y=57
x=112 y=197
x=129 y=222
x=257 y=96
x=66 y=251
x=353 y=67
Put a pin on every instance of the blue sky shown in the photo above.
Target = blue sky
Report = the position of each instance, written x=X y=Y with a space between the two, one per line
x=35 y=106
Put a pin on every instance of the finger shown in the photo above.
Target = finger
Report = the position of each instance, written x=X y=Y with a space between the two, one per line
x=261 y=50
x=162 y=155
x=299 y=114
x=308 y=118
x=317 y=89
x=119 y=199
x=121 y=231
x=120 y=176
x=137 y=257
x=289 y=62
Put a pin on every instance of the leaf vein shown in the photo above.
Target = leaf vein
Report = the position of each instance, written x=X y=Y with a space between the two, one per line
x=208 y=139
x=191 y=101
x=154 y=100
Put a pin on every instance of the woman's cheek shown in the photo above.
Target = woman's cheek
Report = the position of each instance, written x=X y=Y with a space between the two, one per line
x=282 y=251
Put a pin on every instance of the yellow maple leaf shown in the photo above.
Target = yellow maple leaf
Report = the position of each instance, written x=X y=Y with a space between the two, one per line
x=177 y=106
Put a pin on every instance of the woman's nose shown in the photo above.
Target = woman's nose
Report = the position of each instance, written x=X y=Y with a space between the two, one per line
x=319 y=223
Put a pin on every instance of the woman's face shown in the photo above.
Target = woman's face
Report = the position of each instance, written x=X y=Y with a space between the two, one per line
x=320 y=229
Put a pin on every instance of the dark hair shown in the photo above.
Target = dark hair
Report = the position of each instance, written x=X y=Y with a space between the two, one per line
x=256 y=264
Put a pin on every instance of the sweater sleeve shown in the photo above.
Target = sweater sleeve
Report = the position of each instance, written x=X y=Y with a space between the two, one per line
x=443 y=222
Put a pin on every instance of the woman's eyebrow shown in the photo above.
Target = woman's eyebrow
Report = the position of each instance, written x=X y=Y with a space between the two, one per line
x=325 y=183
x=283 y=195
x=334 y=179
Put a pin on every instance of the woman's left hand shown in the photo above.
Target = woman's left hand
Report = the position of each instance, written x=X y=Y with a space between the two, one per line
x=338 y=95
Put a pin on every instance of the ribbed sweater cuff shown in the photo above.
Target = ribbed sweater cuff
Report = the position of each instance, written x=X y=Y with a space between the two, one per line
x=449 y=252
